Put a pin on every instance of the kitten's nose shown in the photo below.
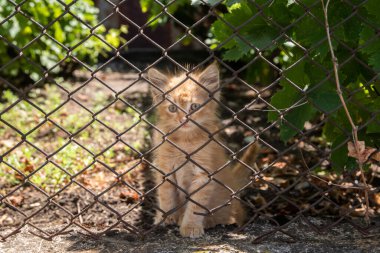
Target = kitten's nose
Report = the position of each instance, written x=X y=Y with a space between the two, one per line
x=182 y=120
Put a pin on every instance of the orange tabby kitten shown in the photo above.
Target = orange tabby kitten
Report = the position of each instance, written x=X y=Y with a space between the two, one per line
x=189 y=154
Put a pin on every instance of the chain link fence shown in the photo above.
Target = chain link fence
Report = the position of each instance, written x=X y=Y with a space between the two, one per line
x=77 y=152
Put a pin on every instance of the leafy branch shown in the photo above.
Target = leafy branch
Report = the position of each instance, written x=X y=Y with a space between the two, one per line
x=340 y=94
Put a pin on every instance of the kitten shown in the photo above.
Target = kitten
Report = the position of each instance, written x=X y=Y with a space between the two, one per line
x=188 y=116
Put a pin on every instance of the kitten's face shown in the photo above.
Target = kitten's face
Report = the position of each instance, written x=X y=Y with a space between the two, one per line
x=187 y=105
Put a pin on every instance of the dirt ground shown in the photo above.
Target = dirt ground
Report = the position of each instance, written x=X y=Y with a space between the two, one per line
x=300 y=238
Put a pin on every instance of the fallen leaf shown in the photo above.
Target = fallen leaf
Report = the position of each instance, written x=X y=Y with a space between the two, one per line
x=103 y=76
x=260 y=200
x=265 y=159
x=375 y=168
x=364 y=152
x=7 y=143
x=376 y=198
x=36 y=204
x=19 y=177
x=280 y=165
x=3 y=218
x=16 y=200
x=83 y=97
x=29 y=168
x=129 y=195
x=376 y=156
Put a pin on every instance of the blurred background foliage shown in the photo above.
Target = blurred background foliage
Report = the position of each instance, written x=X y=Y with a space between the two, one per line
x=45 y=31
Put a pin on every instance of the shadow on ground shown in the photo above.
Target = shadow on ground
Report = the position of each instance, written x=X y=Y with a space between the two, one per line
x=300 y=238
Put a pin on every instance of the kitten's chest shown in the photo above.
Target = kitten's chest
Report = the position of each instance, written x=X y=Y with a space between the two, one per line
x=175 y=145
x=203 y=153
x=185 y=150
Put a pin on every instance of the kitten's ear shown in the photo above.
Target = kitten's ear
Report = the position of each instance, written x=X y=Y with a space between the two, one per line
x=158 y=79
x=210 y=77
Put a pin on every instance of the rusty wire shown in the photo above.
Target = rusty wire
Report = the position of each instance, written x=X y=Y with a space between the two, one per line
x=143 y=157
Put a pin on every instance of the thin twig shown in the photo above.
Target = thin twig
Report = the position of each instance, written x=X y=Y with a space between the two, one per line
x=79 y=211
x=325 y=181
x=339 y=91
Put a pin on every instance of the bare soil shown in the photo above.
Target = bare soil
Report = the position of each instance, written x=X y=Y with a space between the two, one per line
x=299 y=237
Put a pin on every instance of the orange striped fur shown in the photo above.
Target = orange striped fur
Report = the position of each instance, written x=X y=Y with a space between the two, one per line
x=193 y=176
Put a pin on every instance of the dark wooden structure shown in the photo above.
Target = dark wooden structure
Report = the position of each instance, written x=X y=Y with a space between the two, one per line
x=132 y=10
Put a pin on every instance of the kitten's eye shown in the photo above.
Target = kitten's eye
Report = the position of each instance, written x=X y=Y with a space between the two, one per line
x=194 y=106
x=172 y=108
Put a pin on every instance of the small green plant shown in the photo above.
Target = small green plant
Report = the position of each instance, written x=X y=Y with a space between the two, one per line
x=50 y=178
x=71 y=157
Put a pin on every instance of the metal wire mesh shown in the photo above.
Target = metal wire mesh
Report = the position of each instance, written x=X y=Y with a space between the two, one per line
x=282 y=198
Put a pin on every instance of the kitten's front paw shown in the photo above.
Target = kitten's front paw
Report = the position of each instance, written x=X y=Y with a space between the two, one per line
x=191 y=230
x=170 y=220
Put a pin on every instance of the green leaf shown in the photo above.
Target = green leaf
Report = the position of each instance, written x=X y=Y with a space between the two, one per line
x=329 y=131
x=209 y=2
x=233 y=54
x=232 y=2
x=339 y=156
x=59 y=34
x=325 y=97
x=374 y=126
x=368 y=40
x=258 y=32
x=15 y=28
x=297 y=116
x=352 y=28
x=296 y=74
x=280 y=11
x=373 y=8
x=236 y=53
x=309 y=34
x=262 y=38
x=374 y=61
x=287 y=97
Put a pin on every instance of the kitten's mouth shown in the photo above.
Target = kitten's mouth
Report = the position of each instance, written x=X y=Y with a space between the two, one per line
x=185 y=125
